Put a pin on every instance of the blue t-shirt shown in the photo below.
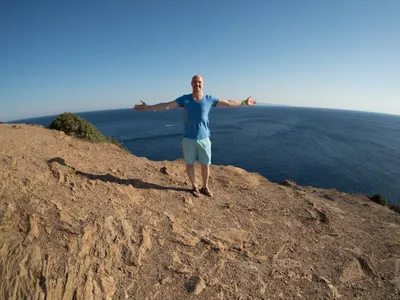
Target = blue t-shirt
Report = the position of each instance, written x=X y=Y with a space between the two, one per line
x=195 y=115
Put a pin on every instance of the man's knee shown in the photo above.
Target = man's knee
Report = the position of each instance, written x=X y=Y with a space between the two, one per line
x=189 y=166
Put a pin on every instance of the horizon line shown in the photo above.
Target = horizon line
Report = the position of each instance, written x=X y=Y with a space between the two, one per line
x=258 y=104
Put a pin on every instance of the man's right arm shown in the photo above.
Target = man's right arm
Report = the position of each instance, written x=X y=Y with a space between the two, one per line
x=156 y=107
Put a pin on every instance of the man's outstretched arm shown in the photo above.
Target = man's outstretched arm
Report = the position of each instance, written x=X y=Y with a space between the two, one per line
x=234 y=103
x=156 y=107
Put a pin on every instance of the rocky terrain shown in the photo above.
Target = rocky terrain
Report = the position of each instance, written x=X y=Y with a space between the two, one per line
x=80 y=220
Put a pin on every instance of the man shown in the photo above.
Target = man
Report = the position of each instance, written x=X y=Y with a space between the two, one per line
x=196 y=140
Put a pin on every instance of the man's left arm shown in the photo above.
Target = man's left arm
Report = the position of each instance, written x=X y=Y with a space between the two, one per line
x=234 y=103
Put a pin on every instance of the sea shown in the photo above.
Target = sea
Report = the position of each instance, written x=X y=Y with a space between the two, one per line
x=351 y=151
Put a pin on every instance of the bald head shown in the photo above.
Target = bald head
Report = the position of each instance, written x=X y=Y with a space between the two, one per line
x=196 y=77
x=197 y=83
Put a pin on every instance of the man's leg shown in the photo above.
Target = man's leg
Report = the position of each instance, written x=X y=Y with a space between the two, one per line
x=190 y=173
x=189 y=155
x=205 y=172
x=204 y=148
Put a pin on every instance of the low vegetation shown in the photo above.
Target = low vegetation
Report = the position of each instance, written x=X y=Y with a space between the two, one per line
x=395 y=207
x=114 y=141
x=380 y=199
x=78 y=127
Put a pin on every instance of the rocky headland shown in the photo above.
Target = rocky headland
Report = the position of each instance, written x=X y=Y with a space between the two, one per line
x=82 y=220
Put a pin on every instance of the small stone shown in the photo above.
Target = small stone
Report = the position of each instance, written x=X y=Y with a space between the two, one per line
x=164 y=170
x=352 y=272
x=165 y=280
x=33 y=228
x=227 y=205
x=108 y=286
x=195 y=285
x=214 y=281
x=183 y=270
x=261 y=258
x=188 y=202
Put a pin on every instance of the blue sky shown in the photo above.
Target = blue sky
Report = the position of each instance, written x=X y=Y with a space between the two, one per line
x=58 y=55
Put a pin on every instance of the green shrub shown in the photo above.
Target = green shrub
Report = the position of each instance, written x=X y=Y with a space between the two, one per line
x=78 y=127
x=395 y=207
x=380 y=199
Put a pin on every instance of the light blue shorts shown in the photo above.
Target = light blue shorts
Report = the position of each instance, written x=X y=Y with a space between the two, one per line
x=192 y=148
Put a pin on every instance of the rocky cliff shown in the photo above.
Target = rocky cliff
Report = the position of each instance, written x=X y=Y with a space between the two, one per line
x=90 y=221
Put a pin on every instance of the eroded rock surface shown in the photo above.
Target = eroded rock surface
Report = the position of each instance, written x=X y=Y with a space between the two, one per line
x=89 y=221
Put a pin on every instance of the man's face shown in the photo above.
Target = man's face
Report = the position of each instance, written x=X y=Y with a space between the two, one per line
x=197 y=83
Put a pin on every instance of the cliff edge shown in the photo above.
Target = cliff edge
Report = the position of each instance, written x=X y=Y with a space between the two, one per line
x=80 y=220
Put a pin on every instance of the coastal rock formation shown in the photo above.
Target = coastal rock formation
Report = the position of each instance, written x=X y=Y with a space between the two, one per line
x=90 y=221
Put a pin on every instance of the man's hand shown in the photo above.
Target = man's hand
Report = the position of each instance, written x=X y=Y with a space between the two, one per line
x=140 y=107
x=250 y=101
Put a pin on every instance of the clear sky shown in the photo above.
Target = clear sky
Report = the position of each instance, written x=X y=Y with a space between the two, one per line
x=67 y=55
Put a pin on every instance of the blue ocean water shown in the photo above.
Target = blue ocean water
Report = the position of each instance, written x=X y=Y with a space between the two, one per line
x=355 y=152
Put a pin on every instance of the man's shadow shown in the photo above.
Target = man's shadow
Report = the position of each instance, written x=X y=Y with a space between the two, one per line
x=137 y=183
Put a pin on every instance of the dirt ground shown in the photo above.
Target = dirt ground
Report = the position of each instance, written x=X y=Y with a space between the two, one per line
x=90 y=221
